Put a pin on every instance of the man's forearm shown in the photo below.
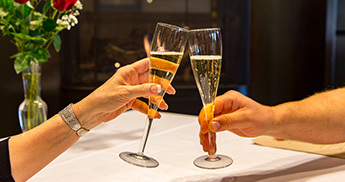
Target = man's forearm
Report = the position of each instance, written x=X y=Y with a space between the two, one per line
x=318 y=119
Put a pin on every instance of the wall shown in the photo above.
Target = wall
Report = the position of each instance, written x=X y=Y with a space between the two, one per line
x=287 y=49
x=11 y=92
x=340 y=45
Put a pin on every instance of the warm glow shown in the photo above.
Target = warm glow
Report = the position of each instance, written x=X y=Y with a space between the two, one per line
x=117 y=65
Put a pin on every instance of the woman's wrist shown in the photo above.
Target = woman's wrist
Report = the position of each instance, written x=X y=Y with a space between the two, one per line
x=85 y=115
x=72 y=121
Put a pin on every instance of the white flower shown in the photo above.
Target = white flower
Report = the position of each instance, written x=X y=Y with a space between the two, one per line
x=73 y=19
x=68 y=21
x=78 y=5
x=76 y=13
x=64 y=23
x=64 y=17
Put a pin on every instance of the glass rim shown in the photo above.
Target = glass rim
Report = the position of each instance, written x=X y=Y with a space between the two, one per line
x=171 y=26
x=204 y=29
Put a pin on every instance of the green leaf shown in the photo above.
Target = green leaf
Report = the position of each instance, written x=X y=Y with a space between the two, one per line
x=21 y=62
x=21 y=36
x=17 y=55
x=24 y=39
x=38 y=41
x=49 y=25
x=46 y=7
x=41 y=55
x=34 y=33
x=57 y=42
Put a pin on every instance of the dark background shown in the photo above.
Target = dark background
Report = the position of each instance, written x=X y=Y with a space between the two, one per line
x=274 y=51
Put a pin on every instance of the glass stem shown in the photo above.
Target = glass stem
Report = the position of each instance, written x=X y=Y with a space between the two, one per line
x=145 y=136
x=212 y=144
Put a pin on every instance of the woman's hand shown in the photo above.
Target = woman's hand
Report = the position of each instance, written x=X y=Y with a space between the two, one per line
x=119 y=94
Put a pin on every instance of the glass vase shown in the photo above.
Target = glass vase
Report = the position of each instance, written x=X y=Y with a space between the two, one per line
x=33 y=110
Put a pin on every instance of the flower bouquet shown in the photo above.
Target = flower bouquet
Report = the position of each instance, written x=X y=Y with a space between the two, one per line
x=34 y=26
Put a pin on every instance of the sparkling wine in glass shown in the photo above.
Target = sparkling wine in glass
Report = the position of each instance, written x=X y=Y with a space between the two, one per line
x=166 y=53
x=205 y=48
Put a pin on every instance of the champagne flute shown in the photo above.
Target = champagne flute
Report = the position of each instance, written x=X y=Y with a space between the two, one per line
x=205 y=47
x=166 y=53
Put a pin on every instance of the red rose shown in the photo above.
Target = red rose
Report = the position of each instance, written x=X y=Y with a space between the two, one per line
x=64 y=5
x=21 y=1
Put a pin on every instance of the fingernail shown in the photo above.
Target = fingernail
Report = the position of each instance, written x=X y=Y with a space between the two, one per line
x=215 y=125
x=156 y=88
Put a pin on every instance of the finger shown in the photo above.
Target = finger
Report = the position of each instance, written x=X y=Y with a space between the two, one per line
x=142 y=65
x=229 y=102
x=171 y=90
x=158 y=100
x=229 y=121
x=223 y=104
x=219 y=105
x=163 y=65
x=143 y=90
x=142 y=107
x=144 y=77
x=155 y=99
x=221 y=123
x=204 y=141
x=203 y=122
x=163 y=105
x=159 y=80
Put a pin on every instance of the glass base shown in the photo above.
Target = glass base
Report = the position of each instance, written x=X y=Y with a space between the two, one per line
x=139 y=160
x=216 y=162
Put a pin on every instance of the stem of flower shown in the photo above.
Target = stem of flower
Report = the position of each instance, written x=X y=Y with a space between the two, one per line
x=50 y=42
x=54 y=14
x=32 y=95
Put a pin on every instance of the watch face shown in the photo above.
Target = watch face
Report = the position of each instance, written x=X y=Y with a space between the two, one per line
x=82 y=131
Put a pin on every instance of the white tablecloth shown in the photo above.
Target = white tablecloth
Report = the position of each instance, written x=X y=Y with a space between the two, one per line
x=174 y=142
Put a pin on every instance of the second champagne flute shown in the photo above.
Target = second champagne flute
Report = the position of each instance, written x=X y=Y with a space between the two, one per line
x=167 y=49
x=205 y=47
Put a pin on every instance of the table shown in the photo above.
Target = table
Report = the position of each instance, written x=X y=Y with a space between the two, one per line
x=174 y=142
